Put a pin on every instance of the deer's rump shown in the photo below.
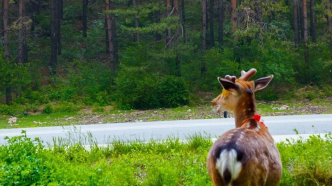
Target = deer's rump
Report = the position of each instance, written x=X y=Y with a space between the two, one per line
x=244 y=157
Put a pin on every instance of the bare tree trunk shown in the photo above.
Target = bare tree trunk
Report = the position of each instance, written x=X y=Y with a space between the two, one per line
x=109 y=33
x=176 y=13
x=85 y=19
x=183 y=21
x=329 y=21
x=301 y=20
x=203 y=67
x=211 y=23
x=20 y=56
x=305 y=22
x=221 y=22
x=61 y=9
x=168 y=30
x=158 y=35
x=5 y=29
x=295 y=20
x=106 y=40
x=312 y=21
x=204 y=24
x=233 y=19
x=137 y=35
x=54 y=37
x=6 y=43
x=1 y=26
x=114 y=37
x=58 y=25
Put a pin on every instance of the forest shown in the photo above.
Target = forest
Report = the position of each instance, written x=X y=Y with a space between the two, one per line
x=135 y=54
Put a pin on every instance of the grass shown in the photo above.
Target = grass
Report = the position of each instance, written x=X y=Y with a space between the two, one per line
x=63 y=115
x=26 y=161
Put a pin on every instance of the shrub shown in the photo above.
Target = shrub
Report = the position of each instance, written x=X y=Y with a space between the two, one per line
x=48 y=108
x=6 y=109
x=135 y=90
x=173 y=92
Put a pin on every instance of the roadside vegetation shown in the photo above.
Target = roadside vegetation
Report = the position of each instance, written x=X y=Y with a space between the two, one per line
x=70 y=114
x=26 y=161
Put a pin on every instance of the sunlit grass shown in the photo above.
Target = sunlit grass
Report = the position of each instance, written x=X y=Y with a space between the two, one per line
x=68 y=161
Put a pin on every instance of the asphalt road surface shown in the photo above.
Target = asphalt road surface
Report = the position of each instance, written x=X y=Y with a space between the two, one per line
x=281 y=127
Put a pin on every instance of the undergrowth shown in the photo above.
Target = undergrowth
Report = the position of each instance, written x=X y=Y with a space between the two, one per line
x=25 y=161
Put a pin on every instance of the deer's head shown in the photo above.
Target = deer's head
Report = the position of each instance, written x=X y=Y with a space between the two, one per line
x=238 y=93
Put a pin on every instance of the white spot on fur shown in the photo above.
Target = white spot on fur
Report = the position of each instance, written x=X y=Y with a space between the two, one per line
x=228 y=160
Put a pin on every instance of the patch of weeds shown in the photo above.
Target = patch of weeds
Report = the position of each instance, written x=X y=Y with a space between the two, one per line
x=48 y=108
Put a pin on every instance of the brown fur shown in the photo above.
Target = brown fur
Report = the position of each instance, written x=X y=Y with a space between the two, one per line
x=261 y=163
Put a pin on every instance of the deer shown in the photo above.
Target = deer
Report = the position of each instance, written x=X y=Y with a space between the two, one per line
x=246 y=155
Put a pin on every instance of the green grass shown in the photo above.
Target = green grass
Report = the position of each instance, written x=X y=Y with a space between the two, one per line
x=26 y=161
x=69 y=114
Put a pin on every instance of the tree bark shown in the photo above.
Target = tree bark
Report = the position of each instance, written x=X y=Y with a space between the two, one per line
x=137 y=35
x=204 y=24
x=109 y=33
x=176 y=13
x=85 y=24
x=158 y=35
x=295 y=20
x=305 y=22
x=233 y=19
x=221 y=23
x=54 y=37
x=106 y=36
x=114 y=37
x=211 y=23
x=21 y=38
x=183 y=13
x=6 y=43
x=329 y=22
x=312 y=21
x=1 y=26
x=168 y=30
x=61 y=9
x=203 y=65
x=58 y=25
x=5 y=29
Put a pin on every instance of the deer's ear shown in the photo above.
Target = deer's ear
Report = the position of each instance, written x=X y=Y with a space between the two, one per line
x=229 y=85
x=262 y=82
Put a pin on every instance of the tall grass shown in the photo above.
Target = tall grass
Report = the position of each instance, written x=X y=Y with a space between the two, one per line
x=25 y=161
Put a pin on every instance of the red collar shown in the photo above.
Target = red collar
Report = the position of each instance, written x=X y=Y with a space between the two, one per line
x=258 y=118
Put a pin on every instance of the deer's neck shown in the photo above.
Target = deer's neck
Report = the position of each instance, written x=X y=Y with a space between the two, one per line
x=245 y=110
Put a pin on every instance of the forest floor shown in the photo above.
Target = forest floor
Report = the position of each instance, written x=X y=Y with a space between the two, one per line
x=111 y=115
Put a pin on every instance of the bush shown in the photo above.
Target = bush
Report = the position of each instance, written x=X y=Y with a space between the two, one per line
x=173 y=92
x=6 y=109
x=135 y=90
x=48 y=108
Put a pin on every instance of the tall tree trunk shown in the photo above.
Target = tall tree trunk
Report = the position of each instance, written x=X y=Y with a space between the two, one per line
x=1 y=9
x=158 y=35
x=137 y=35
x=329 y=21
x=176 y=13
x=114 y=37
x=61 y=9
x=203 y=67
x=5 y=29
x=168 y=30
x=21 y=38
x=295 y=20
x=85 y=19
x=305 y=22
x=109 y=33
x=54 y=37
x=106 y=37
x=183 y=13
x=312 y=21
x=221 y=22
x=233 y=19
x=301 y=20
x=204 y=24
x=211 y=23
x=6 y=43
x=58 y=25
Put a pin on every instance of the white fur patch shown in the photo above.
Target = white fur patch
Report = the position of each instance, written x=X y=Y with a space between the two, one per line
x=228 y=160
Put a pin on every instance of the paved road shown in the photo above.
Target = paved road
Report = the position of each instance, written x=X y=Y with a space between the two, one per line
x=279 y=126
